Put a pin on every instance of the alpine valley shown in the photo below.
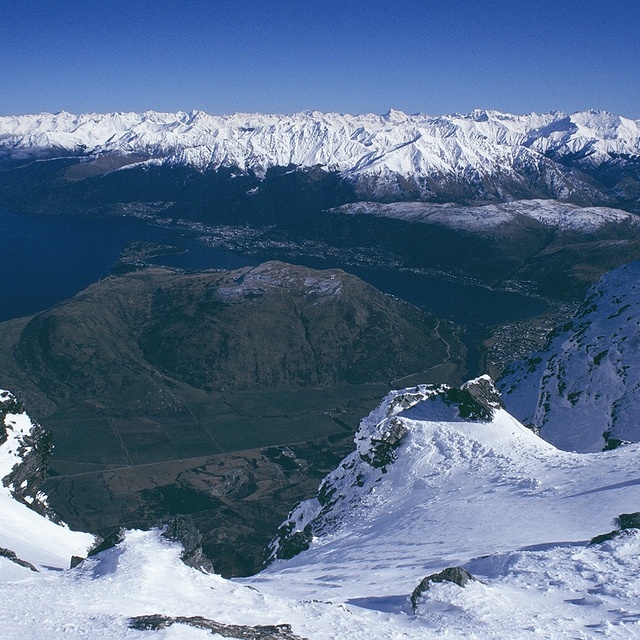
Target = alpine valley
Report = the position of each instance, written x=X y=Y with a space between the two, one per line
x=307 y=444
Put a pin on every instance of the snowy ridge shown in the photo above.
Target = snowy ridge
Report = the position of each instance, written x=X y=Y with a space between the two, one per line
x=475 y=489
x=32 y=537
x=443 y=477
x=583 y=390
x=374 y=151
x=487 y=217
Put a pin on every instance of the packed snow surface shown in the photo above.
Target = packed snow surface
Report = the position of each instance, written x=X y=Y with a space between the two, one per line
x=488 y=495
x=584 y=387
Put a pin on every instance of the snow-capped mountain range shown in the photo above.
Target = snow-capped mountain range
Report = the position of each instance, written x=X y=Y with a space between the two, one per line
x=441 y=477
x=481 y=155
x=582 y=389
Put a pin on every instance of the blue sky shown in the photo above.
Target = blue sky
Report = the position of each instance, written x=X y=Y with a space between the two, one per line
x=282 y=56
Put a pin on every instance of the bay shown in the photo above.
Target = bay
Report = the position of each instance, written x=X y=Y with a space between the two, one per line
x=47 y=259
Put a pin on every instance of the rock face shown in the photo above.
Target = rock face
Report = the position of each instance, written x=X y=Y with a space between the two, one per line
x=260 y=632
x=582 y=389
x=11 y=555
x=182 y=529
x=27 y=449
x=626 y=521
x=456 y=575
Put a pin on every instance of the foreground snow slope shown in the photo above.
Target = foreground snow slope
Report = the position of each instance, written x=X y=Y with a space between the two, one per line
x=583 y=389
x=564 y=592
x=457 y=491
x=438 y=479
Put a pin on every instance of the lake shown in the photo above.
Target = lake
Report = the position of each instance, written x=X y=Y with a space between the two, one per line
x=47 y=259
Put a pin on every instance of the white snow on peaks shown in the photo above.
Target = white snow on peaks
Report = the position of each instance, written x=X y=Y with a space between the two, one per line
x=586 y=382
x=548 y=213
x=488 y=142
x=486 y=494
x=29 y=535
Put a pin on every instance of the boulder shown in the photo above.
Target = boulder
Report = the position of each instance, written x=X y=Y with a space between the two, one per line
x=457 y=575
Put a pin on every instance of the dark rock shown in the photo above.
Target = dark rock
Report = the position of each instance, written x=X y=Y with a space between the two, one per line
x=629 y=520
x=109 y=542
x=457 y=575
x=27 y=477
x=625 y=521
x=182 y=529
x=383 y=450
x=605 y=536
x=76 y=561
x=611 y=442
x=10 y=555
x=533 y=427
x=288 y=544
x=484 y=392
x=157 y=622
x=476 y=400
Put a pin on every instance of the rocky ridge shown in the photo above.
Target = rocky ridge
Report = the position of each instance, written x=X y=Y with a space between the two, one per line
x=377 y=441
x=26 y=447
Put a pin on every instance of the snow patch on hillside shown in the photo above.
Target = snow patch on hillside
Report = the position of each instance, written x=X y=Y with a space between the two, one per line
x=548 y=213
x=33 y=538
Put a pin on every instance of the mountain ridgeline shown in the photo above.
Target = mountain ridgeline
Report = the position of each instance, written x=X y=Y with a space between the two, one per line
x=588 y=158
x=312 y=186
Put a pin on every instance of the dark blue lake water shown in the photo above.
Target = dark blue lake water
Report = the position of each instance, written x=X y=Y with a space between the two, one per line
x=44 y=260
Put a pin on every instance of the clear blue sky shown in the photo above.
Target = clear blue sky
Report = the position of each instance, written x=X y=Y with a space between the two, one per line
x=282 y=56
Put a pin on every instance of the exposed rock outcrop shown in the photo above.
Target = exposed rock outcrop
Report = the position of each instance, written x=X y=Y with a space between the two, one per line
x=157 y=622
x=11 y=555
x=182 y=529
x=29 y=449
x=456 y=575
x=625 y=522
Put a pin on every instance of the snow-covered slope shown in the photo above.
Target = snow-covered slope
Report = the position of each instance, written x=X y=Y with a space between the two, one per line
x=451 y=488
x=548 y=213
x=583 y=390
x=33 y=538
x=478 y=155
x=444 y=477
x=440 y=477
